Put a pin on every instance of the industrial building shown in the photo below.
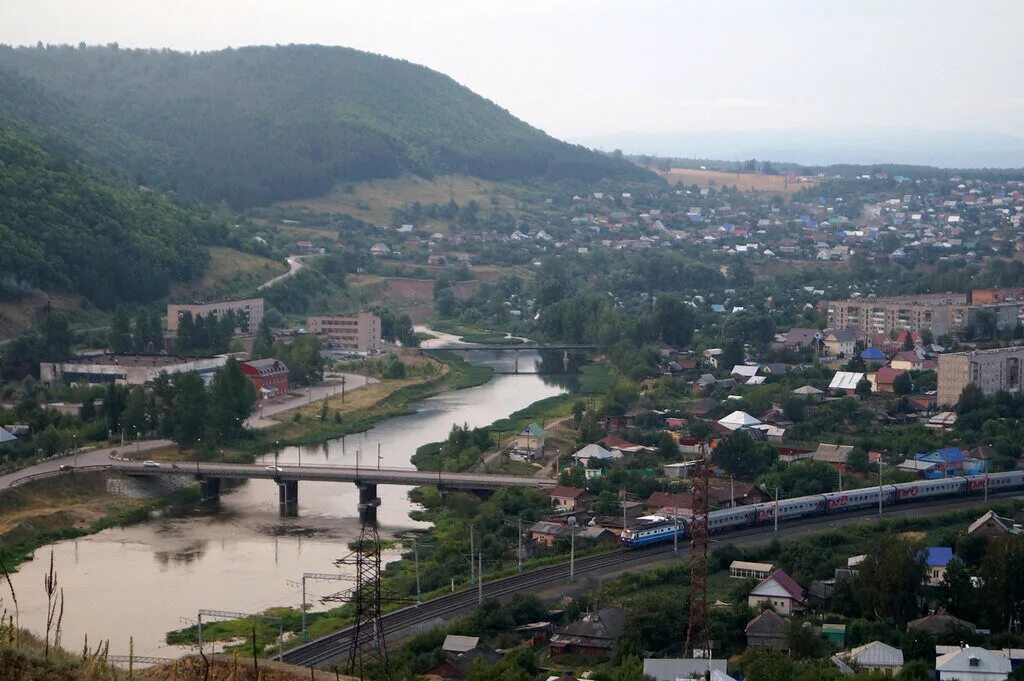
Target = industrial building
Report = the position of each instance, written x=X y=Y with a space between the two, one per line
x=126 y=369
x=249 y=309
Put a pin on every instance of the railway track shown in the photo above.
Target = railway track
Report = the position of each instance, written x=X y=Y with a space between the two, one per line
x=333 y=648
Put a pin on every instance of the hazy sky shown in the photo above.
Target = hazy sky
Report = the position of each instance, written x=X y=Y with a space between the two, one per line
x=588 y=67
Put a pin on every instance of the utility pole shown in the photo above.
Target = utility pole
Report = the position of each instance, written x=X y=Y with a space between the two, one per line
x=675 y=529
x=343 y=388
x=480 y=578
x=519 y=539
x=879 y=486
x=840 y=477
x=472 y=555
x=572 y=553
x=416 y=554
x=776 y=509
x=732 y=491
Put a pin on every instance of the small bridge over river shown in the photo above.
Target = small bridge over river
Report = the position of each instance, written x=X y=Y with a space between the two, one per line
x=287 y=478
x=515 y=348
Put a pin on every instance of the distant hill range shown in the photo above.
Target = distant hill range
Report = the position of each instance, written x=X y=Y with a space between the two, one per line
x=949 y=149
x=260 y=124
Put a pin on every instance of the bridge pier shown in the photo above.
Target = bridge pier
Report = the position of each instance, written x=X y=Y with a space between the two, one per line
x=516 y=355
x=368 y=502
x=288 y=497
x=210 y=489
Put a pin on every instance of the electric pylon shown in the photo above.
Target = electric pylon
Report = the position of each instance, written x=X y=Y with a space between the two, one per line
x=698 y=640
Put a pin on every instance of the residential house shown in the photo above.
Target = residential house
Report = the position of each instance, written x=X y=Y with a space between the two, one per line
x=846 y=381
x=989 y=525
x=937 y=559
x=570 y=498
x=972 y=664
x=380 y=250
x=668 y=501
x=882 y=380
x=940 y=623
x=594 y=452
x=738 y=420
x=459 y=653
x=767 y=630
x=529 y=443
x=908 y=360
x=617 y=444
x=779 y=591
x=6 y=436
x=735 y=494
x=701 y=408
x=547 y=533
x=843 y=342
x=741 y=569
x=809 y=392
x=834 y=455
x=874 y=656
x=797 y=338
x=667 y=669
x=594 y=634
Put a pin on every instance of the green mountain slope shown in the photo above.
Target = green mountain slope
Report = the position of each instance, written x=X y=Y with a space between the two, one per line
x=67 y=227
x=260 y=124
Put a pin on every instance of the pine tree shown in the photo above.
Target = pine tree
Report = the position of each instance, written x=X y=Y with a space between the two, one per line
x=263 y=346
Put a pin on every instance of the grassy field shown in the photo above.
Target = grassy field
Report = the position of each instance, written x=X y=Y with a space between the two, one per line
x=748 y=182
x=230 y=269
x=373 y=200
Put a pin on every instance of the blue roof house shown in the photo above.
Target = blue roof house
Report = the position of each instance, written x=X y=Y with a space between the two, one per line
x=873 y=355
x=937 y=559
x=948 y=461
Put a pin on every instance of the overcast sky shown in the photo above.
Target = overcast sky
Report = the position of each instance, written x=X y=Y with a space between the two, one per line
x=578 y=68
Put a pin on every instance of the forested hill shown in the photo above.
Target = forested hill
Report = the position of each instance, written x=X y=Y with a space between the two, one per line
x=260 y=124
x=68 y=223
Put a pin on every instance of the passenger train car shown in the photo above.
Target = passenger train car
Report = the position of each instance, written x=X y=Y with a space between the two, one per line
x=659 y=529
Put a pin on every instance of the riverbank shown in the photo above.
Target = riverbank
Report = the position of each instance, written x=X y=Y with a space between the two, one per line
x=49 y=510
x=373 y=403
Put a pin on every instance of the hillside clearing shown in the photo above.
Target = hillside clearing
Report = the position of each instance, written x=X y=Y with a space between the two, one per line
x=372 y=200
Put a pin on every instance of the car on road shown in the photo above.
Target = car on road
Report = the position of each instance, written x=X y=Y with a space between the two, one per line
x=66 y=467
x=275 y=469
x=150 y=464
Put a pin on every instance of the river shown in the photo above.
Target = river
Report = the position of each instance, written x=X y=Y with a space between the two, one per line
x=145 y=580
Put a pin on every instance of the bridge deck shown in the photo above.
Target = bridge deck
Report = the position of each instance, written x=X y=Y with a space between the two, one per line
x=370 y=476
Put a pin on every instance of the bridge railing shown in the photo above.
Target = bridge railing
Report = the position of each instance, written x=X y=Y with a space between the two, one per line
x=52 y=474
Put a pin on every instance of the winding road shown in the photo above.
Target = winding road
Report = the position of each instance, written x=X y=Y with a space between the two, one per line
x=295 y=266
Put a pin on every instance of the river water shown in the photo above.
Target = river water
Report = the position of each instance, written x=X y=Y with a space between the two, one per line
x=145 y=580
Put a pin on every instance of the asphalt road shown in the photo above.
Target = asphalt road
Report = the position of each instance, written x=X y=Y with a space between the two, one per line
x=94 y=457
x=261 y=417
x=295 y=265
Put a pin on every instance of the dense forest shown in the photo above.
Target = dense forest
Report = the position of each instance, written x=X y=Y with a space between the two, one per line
x=260 y=124
x=66 y=228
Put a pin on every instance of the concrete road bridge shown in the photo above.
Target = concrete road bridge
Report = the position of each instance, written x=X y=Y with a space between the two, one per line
x=564 y=348
x=288 y=477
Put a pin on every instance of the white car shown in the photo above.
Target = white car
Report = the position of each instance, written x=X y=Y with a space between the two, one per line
x=275 y=469
x=150 y=464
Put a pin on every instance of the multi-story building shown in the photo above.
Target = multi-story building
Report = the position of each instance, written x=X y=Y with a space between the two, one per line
x=359 y=332
x=990 y=370
x=941 y=313
x=248 y=311
x=270 y=376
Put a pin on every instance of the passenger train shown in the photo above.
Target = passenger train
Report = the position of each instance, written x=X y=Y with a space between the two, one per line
x=659 y=529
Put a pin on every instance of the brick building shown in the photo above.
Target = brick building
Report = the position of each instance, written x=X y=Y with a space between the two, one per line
x=270 y=376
